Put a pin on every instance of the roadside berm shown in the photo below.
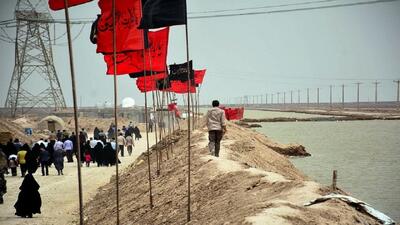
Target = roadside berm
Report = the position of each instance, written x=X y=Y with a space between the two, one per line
x=249 y=183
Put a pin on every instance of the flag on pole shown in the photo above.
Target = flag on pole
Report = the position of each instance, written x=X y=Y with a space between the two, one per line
x=132 y=62
x=180 y=87
x=150 y=81
x=179 y=72
x=129 y=37
x=163 y=13
x=59 y=4
x=199 y=76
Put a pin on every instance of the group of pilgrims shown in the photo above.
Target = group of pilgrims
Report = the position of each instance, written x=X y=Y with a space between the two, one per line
x=100 y=149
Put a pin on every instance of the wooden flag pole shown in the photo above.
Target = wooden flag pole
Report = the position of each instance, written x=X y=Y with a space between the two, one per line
x=155 y=132
x=154 y=115
x=146 y=120
x=159 y=119
x=188 y=117
x=115 y=107
x=169 y=126
x=173 y=115
x=193 y=110
x=71 y=64
x=147 y=131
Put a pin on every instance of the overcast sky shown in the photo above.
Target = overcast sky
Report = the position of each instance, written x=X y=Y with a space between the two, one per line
x=247 y=55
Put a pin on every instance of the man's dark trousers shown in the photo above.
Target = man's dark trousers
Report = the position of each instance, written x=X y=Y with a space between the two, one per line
x=215 y=136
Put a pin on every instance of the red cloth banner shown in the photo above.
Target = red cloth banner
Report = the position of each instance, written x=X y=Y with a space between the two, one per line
x=181 y=87
x=132 y=62
x=199 y=76
x=234 y=113
x=59 y=4
x=128 y=15
x=151 y=82
x=174 y=108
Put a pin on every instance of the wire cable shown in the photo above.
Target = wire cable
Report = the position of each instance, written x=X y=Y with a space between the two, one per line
x=291 y=10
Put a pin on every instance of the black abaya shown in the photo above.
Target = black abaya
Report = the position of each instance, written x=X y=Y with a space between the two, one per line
x=29 y=201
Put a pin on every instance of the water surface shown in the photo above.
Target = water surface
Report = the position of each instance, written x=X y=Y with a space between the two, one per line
x=365 y=153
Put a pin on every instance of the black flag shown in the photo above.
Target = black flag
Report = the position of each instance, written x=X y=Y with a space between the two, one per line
x=180 y=71
x=163 y=84
x=163 y=13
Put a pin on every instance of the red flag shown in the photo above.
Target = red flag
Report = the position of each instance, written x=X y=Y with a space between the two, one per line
x=59 y=4
x=174 y=108
x=181 y=87
x=132 y=62
x=199 y=76
x=234 y=113
x=128 y=14
x=151 y=82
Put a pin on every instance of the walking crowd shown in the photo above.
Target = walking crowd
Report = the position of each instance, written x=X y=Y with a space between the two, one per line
x=100 y=149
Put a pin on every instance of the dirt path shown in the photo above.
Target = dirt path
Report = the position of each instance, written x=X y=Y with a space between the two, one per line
x=60 y=193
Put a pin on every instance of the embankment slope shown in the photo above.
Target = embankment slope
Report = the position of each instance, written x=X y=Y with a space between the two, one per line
x=249 y=184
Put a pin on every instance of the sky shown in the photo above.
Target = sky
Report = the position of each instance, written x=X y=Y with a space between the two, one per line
x=246 y=55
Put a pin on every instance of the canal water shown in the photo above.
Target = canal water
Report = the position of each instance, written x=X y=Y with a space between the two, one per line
x=366 y=155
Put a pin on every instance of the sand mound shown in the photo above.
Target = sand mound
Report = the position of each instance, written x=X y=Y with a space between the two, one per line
x=249 y=183
x=17 y=130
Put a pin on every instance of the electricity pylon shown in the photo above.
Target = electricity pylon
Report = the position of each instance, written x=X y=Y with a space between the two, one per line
x=34 y=81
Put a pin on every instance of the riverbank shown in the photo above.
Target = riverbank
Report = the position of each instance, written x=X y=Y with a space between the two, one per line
x=323 y=115
x=249 y=183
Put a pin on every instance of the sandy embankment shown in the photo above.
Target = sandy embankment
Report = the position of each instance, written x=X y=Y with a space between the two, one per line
x=249 y=184
x=60 y=193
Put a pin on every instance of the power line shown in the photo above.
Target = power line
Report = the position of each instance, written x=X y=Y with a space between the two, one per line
x=290 y=10
x=245 y=76
x=90 y=20
x=262 y=7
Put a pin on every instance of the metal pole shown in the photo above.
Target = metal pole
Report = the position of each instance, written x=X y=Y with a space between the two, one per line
x=330 y=97
x=317 y=97
x=376 y=92
x=342 y=96
x=115 y=106
x=358 y=95
x=291 y=97
x=308 y=97
x=71 y=64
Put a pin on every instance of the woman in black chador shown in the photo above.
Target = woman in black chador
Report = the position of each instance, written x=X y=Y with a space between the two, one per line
x=29 y=201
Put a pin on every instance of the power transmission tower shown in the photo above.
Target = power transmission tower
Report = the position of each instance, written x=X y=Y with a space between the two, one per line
x=33 y=61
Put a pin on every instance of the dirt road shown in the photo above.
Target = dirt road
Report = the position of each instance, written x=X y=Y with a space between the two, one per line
x=59 y=194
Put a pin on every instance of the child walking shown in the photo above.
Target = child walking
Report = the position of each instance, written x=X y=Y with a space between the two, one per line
x=88 y=158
